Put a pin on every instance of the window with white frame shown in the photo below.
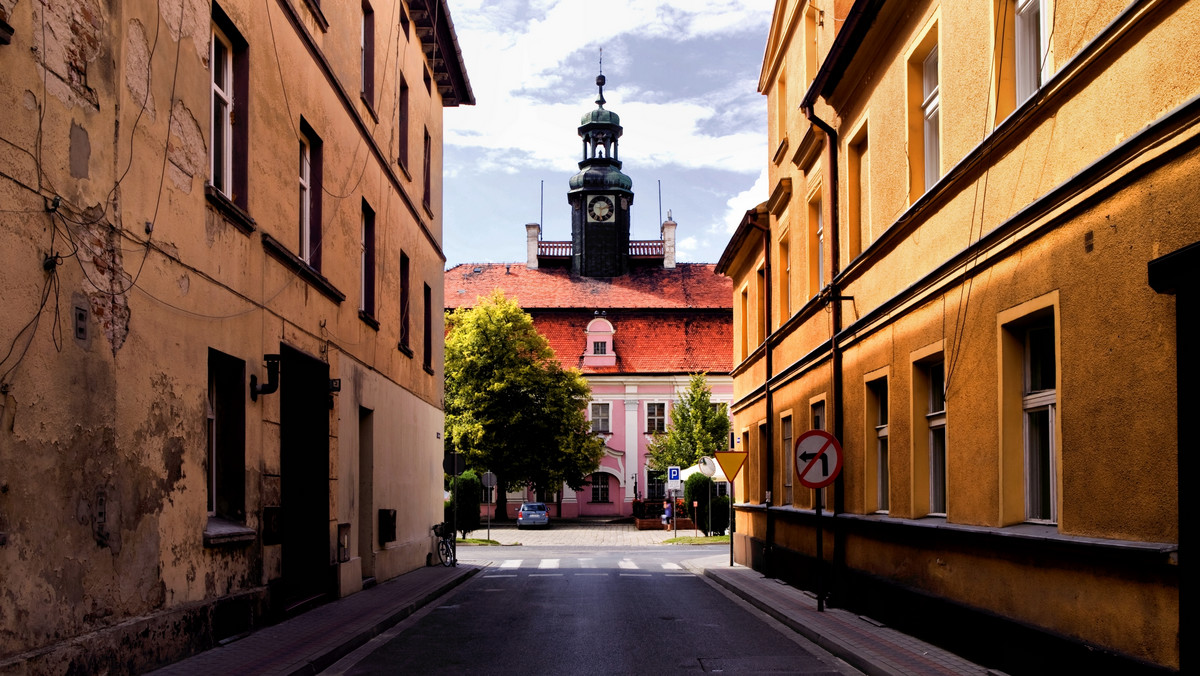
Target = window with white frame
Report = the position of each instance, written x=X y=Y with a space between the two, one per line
x=221 y=155
x=789 y=456
x=936 y=417
x=879 y=393
x=600 y=487
x=600 y=418
x=1039 y=403
x=656 y=418
x=305 y=200
x=1031 y=47
x=930 y=111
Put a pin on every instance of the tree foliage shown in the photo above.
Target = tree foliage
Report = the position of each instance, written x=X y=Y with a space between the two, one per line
x=464 y=499
x=510 y=406
x=697 y=428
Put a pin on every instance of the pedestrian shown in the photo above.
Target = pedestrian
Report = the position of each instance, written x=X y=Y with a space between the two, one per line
x=667 y=514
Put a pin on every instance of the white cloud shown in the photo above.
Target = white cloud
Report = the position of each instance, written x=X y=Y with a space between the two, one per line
x=742 y=202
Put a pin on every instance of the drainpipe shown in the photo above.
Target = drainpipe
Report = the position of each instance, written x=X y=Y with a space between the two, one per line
x=835 y=353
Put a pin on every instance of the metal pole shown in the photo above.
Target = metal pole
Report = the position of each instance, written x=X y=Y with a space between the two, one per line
x=731 y=522
x=820 y=494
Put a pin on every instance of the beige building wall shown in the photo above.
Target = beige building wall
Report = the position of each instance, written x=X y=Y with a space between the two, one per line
x=1039 y=213
x=126 y=277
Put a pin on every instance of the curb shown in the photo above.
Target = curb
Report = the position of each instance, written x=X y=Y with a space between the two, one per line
x=321 y=662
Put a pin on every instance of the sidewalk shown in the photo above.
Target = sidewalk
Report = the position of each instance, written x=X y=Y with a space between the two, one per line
x=312 y=641
x=863 y=644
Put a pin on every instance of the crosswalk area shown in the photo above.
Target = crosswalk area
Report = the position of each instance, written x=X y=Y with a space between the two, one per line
x=584 y=566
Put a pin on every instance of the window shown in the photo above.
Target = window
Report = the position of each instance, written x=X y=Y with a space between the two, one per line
x=789 y=456
x=745 y=323
x=402 y=126
x=761 y=305
x=924 y=116
x=816 y=244
x=781 y=106
x=599 y=487
x=656 y=487
x=930 y=112
x=600 y=418
x=404 y=22
x=936 y=378
x=877 y=411
x=810 y=43
x=858 y=161
x=404 y=304
x=226 y=432
x=367 y=261
x=1031 y=49
x=656 y=418
x=428 y=167
x=367 y=53
x=599 y=347
x=230 y=76
x=1039 y=404
x=310 y=196
x=785 y=272
x=427 y=356
x=428 y=82
x=818 y=415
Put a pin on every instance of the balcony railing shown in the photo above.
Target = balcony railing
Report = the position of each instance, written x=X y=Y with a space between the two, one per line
x=652 y=248
x=554 y=249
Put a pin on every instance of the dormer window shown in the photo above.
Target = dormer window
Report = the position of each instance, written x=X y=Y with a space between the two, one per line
x=599 y=342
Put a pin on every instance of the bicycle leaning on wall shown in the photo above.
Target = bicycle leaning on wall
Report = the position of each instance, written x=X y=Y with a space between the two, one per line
x=446 y=544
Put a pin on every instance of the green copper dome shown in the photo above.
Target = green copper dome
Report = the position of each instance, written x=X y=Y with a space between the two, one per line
x=600 y=116
x=598 y=176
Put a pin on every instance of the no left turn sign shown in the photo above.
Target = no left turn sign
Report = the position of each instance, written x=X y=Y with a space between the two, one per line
x=818 y=458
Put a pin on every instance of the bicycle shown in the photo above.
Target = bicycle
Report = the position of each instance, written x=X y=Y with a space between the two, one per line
x=446 y=545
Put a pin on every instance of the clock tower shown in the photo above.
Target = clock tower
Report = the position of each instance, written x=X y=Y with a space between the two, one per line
x=600 y=197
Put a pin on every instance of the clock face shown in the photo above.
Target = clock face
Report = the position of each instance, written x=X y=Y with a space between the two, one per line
x=600 y=208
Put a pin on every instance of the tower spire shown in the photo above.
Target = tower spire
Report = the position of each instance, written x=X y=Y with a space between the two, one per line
x=600 y=80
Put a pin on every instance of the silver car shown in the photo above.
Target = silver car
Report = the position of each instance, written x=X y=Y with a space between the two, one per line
x=533 y=514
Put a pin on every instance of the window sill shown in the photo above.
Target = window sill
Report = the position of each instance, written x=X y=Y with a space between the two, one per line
x=780 y=151
x=428 y=210
x=236 y=216
x=318 y=15
x=219 y=532
x=370 y=106
x=428 y=369
x=405 y=349
x=599 y=502
x=403 y=167
x=302 y=269
x=368 y=319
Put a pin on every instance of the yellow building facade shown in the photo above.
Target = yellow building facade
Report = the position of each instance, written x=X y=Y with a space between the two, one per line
x=221 y=240
x=951 y=276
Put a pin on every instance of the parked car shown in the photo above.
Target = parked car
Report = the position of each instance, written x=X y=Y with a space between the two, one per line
x=533 y=514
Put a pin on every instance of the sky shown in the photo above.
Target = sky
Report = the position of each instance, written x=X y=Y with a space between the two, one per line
x=681 y=74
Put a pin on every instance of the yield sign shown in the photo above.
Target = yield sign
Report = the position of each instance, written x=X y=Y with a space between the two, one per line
x=731 y=462
x=818 y=458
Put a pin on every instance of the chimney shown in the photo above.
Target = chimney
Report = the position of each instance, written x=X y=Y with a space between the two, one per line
x=668 y=240
x=533 y=232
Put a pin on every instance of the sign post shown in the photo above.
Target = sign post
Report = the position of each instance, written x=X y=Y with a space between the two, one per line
x=673 y=484
x=818 y=462
x=489 y=482
x=731 y=463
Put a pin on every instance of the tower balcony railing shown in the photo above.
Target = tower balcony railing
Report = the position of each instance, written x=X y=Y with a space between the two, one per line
x=554 y=249
x=651 y=248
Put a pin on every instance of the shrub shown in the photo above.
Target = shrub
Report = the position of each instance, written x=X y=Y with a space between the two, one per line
x=698 y=488
x=469 y=489
x=720 y=515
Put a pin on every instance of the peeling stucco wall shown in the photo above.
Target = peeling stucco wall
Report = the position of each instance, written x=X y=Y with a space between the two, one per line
x=186 y=151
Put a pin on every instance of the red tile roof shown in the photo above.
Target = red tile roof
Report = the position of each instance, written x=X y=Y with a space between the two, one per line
x=666 y=320
x=662 y=341
x=689 y=285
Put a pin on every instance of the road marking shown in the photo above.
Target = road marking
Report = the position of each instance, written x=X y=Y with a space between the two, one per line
x=591 y=574
x=548 y=563
x=672 y=566
x=498 y=575
x=627 y=564
x=635 y=574
x=680 y=575
x=545 y=575
x=511 y=563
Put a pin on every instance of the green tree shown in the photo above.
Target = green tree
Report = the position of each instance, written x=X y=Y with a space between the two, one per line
x=511 y=408
x=698 y=489
x=464 y=499
x=698 y=427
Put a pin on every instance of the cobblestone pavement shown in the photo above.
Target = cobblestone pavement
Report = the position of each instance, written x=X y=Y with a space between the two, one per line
x=572 y=534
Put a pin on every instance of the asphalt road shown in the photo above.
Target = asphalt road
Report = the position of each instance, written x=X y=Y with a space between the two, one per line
x=588 y=610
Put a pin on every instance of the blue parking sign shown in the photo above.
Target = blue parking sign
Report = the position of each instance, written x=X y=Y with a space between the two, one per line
x=672 y=473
